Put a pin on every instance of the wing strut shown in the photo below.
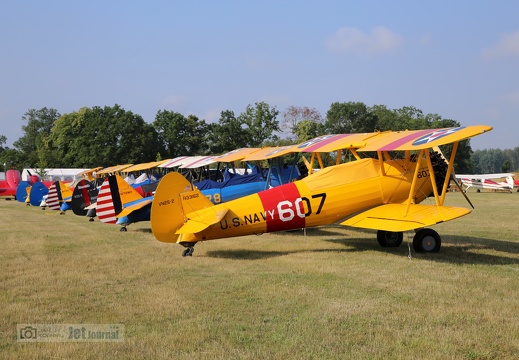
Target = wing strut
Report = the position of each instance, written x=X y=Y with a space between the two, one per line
x=450 y=175
x=413 y=184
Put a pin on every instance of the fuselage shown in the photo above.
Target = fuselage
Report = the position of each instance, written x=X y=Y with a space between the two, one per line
x=328 y=196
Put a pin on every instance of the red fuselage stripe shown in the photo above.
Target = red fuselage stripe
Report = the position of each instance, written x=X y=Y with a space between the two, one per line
x=279 y=201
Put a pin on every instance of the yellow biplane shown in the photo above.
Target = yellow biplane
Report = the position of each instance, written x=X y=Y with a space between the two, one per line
x=381 y=192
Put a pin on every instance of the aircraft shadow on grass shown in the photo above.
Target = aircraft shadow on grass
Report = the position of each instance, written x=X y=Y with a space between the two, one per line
x=457 y=250
x=143 y=230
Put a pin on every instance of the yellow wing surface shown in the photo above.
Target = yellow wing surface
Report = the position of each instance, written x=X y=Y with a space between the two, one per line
x=113 y=169
x=131 y=208
x=396 y=217
x=421 y=139
x=144 y=166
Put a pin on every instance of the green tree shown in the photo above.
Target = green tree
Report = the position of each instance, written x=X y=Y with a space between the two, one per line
x=506 y=167
x=39 y=124
x=294 y=115
x=261 y=124
x=488 y=161
x=102 y=137
x=3 y=141
x=228 y=134
x=307 y=129
x=512 y=156
x=350 y=117
x=12 y=158
x=181 y=136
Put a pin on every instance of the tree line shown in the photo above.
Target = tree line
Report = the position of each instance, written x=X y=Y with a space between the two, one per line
x=110 y=135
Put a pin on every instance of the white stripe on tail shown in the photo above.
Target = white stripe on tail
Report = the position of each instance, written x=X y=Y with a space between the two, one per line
x=105 y=209
x=53 y=200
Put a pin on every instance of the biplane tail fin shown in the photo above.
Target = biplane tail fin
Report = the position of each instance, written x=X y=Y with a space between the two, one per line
x=113 y=194
x=510 y=181
x=174 y=199
x=13 y=178
x=108 y=201
x=54 y=198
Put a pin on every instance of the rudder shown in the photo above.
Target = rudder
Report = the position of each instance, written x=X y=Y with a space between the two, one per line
x=167 y=213
x=108 y=201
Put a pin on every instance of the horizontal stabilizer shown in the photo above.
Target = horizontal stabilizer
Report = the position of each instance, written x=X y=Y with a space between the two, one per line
x=201 y=220
x=393 y=217
x=127 y=210
x=91 y=206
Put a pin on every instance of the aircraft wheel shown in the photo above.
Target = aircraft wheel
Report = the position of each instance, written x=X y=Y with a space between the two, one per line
x=123 y=229
x=91 y=219
x=188 y=251
x=427 y=240
x=389 y=238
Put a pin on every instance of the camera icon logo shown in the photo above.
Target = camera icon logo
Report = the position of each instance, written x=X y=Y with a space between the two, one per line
x=28 y=332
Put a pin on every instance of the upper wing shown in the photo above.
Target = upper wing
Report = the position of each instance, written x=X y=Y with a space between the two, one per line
x=171 y=163
x=197 y=161
x=270 y=152
x=235 y=155
x=334 y=142
x=113 y=169
x=394 y=217
x=144 y=166
x=421 y=139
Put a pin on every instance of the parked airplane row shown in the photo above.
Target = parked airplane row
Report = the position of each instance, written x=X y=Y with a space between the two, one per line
x=206 y=198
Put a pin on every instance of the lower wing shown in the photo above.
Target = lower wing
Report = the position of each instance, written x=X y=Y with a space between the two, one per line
x=398 y=217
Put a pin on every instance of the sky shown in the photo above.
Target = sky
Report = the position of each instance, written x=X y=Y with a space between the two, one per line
x=458 y=59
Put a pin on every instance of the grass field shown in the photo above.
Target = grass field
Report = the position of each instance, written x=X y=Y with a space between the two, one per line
x=332 y=293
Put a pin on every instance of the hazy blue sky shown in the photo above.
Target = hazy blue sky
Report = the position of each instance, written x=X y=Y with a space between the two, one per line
x=458 y=59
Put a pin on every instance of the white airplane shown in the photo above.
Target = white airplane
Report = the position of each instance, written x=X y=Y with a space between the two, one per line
x=487 y=181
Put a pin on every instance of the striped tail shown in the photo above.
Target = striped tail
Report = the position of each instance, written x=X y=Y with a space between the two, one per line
x=54 y=198
x=113 y=194
x=108 y=201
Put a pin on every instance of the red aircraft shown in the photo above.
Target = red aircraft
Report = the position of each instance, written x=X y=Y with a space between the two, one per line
x=10 y=183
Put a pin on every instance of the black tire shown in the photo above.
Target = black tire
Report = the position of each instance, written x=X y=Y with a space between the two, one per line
x=389 y=238
x=427 y=241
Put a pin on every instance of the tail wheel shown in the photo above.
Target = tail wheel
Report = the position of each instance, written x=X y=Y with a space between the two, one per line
x=427 y=241
x=389 y=238
x=188 y=251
